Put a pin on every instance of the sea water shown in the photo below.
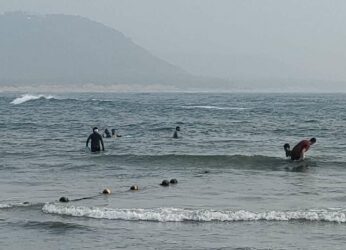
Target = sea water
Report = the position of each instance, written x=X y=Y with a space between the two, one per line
x=236 y=189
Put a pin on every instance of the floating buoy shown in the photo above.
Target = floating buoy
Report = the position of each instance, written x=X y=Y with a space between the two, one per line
x=173 y=181
x=134 y=188
x=106 y=191
x=64 y=199
x=165 y=183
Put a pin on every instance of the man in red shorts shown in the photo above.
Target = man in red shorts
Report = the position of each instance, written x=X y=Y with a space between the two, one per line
x=298 y=152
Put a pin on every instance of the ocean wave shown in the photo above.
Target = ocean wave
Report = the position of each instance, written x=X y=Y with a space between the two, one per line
x=5 y=206
x=28 y=97
x=201 y=157
x=13 y=205
x=237 y=161
x=202 y=160
x=53 y=225
x=214 y=107
x=194 y=215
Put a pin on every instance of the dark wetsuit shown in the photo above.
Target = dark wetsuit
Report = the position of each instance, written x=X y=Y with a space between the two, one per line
x=96 y=139
x=296 y=152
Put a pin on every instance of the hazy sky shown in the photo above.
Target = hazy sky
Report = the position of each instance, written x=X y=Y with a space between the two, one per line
x=287 y=39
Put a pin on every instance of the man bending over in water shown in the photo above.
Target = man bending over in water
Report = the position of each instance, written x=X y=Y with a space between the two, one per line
x=96 y=139
x=298 y=152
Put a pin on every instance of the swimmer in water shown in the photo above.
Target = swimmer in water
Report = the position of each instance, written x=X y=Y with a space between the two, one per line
x=298 y=152
x=96 y=140
x=114 y=134
x=106 y=133
x=175 y=135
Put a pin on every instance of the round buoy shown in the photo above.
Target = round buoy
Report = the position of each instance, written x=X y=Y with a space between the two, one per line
x=165 y=183
x=134 y=188
x=106 y=191
x=173 y=181
x=64 y=199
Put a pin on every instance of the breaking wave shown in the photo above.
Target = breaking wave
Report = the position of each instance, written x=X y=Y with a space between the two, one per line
x=28 y=97
x=194 y=215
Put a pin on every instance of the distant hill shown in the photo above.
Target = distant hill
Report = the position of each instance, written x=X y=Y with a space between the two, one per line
x=63 y=49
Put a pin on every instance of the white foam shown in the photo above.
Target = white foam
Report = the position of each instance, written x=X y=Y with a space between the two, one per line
x=28 y=97
x=10 y=205
x=5 y=206
x=198 y=215
x=214 y=107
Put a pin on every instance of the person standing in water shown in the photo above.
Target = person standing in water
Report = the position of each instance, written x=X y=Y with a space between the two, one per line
x=175 y=135
x=298 y=152
x=96 y=141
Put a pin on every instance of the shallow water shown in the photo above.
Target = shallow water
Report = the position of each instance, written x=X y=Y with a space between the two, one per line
x=235 y=188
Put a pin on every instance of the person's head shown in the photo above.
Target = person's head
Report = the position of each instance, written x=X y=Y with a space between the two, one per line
x=64 y=199
x=177 y=128
x=313 y=140
x=165 y=183
x=173 y=181
x=95 y=130
x=106 y=191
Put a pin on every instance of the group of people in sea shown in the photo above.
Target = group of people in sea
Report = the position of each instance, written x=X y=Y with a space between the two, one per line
x=108 y=134
x=297 y=153
x=96 y=141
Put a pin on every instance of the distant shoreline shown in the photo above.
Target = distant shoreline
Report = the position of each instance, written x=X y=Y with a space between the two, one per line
x=155 y=88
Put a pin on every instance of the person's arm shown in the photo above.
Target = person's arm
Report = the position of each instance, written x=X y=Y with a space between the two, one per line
x=87 y=142
x=103 y=146
x=305 y=148
x=302 y=154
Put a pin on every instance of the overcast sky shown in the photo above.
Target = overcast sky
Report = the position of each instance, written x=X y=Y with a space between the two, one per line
x=287 y=39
